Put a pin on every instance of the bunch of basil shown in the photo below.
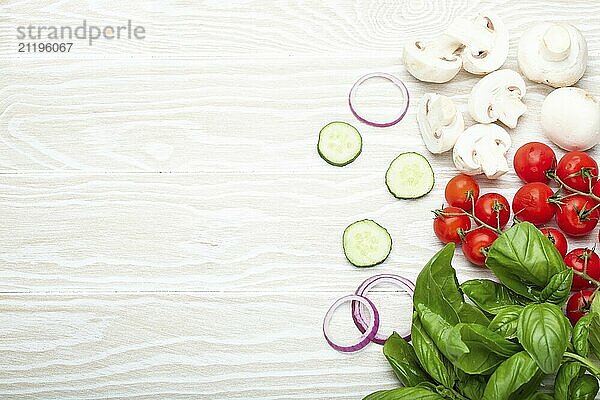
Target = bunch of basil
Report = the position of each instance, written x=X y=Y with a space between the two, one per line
x=502 y=347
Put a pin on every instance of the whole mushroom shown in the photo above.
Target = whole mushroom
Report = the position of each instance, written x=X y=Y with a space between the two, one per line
x=482 y=148
x=553 y=53
x=440 y=122
x=497 y=97
x=433 y=61
x=485 y=41
x=571 y=119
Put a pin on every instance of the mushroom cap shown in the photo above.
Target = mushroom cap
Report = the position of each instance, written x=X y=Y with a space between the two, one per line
x=485 y=39
x=497 y=96
x=440 y=122
x=434 y=60
x=553 y=53
x=482 y=148
x=571 y=119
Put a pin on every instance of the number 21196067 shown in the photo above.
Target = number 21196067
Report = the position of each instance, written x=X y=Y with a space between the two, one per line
x=45 y=47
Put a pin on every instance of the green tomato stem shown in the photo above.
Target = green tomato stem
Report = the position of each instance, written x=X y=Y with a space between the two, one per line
x=590 y=194
x=587 y=278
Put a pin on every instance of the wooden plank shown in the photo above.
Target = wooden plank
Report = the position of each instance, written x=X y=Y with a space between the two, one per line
x=210 y=231
x=177 y=346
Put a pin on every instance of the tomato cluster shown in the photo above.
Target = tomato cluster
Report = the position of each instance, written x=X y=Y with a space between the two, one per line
x=474 y=222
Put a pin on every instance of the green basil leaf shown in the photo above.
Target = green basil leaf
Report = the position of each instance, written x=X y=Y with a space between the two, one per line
x=401 y=356
x=595 y=307
x=539 y=396
x=568 y=373
x=559 y=288
x=490 y=296
x=471 y=386
x=440 y=331
x=524 y=260
x=506 y=321
x=530 y=388
x=437 y=286
x=581 y=335
x=405 y=393
x=470 y=314
x=510 y=376
x=585 y=388
x=430 y=357
x=544 y=331
x=594 y=332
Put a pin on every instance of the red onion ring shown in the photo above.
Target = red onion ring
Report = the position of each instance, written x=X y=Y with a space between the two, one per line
x=390 y=78
x=370 y=329
x=363 y=289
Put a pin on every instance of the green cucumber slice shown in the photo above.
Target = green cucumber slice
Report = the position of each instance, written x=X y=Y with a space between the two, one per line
x=339 y=143
x=409 y=176
x=366 y=243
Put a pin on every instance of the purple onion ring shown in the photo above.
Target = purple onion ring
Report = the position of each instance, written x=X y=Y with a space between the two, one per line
x=369 y=332
x=395 y=81
x=363 y=289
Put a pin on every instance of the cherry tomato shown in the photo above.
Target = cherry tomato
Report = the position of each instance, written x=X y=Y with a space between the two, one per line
x=533 y=160
x=596 y=189
x=586 y=261
x=577 y=170
x=493 y=209
x=476 y=244
x=577 y=216
x=557 y=238
x=531 y=203
x=460 y=190
x=579 y=305
x=449 y=228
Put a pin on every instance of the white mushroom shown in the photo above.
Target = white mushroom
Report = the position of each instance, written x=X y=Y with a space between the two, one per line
x=433 y=61
x=440 y=122
x=497 y=97
x=553 y=53
x=482 y=148
x=485 y=41
x=571 y=119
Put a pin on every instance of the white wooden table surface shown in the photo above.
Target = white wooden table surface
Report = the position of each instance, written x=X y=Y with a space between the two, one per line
x=168 y=230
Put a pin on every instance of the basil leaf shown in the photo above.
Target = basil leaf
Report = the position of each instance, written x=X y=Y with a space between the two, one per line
x=440 y=331
x=568 y=373
x=524 y=260
x=594 y=332
x=544 y=332
x=506 y=321
x=559 y=288
x=468 y=313
x=585 y=388
x=490 y=296
x=539 y=396
x=401 y=356
x=437 y=286
x=581 y=335
x=430 y=357
x=510 y=376
x=405 y=393
x=471 y=386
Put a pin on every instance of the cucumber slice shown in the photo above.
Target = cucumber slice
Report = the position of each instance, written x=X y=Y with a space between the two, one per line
x=409 y=176
x=366 y=243
x=339 y=143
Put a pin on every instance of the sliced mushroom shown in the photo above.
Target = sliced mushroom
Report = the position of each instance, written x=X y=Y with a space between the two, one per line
x=433 y=61
x=482 y=148
x=440 y=122
x=485 y=40
x=497 y=97
x=571 y=119
x=553 y=53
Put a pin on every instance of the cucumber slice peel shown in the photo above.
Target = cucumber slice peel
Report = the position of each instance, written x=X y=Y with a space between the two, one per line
x=366 y=243
x=339 y=143
x=409 y=176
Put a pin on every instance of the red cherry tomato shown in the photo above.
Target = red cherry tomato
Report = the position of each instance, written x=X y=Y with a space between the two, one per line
x=533 y=160
x=579 y=305
x=577 y=170
x=460 y=190
x=577 y=215
x=557 y=238
x=531 y=203
x=476 y=244
x=449 y=228
x=493 y=209
x=596 y=189
x=586 y=261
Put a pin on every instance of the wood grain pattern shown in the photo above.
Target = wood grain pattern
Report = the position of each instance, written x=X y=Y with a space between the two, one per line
x=168 y=229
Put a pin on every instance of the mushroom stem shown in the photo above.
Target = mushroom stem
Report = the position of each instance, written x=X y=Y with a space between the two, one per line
x=556 y=43
x=492 y=165
x=508 y=109
x=442 y=112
